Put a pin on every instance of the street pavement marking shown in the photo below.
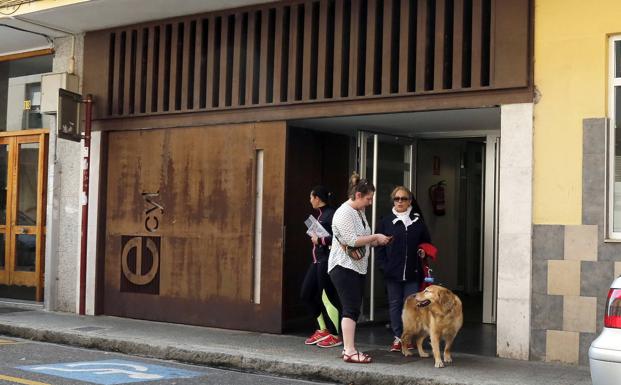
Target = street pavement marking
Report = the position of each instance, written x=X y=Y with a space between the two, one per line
x=18 y=380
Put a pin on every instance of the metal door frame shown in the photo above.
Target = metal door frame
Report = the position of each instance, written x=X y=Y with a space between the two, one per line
x=410 y=145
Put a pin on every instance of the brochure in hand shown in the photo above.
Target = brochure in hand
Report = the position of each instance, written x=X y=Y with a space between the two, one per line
x=315 y=228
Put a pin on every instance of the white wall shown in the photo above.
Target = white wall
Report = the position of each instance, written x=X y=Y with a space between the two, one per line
x=443 y=229
x=515 y=231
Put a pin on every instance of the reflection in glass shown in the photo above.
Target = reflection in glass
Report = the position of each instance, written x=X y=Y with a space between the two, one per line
x=4 y=163
x=27 y=184
x=25 y=252
x=616 y=214
x=618 y=59
x=2 y=258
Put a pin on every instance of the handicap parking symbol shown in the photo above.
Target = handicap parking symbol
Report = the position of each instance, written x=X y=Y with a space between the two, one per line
x=110 y=372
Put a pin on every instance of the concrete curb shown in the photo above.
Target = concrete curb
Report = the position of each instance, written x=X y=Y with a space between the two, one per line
x=355 y=374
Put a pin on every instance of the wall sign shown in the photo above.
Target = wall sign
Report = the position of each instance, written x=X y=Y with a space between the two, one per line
x=69 y=115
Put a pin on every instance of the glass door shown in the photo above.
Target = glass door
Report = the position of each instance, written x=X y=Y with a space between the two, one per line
x=22 y=186
x=387 y=161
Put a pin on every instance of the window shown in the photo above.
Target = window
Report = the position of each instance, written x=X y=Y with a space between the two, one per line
x=20 y=93
x=614 y=113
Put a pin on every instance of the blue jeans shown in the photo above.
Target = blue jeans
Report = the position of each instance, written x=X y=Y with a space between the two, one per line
x=398 y=291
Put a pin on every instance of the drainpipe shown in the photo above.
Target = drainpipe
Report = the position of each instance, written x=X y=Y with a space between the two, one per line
x=85 y=182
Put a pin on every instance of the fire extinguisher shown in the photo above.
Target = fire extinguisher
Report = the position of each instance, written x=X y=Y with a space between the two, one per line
x=436 y=194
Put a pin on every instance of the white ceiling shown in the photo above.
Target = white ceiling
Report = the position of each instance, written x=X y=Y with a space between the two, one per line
x=446 y=123
x=99 y=14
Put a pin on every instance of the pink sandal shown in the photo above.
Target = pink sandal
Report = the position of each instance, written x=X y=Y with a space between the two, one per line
x=357 y=358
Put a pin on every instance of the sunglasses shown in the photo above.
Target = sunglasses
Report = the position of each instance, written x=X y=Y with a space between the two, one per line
x=400 y=199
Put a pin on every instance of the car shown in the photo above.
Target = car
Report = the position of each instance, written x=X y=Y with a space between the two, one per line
x=605 y=350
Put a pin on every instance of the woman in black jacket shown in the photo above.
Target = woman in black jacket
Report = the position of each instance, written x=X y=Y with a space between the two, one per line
x=401 y=260
x=318 y=292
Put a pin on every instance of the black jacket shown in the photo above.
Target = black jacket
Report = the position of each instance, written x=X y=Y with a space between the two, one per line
x=399 y=259
x=321 y=251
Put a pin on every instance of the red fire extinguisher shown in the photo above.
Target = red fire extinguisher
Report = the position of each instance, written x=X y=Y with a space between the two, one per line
x=436 y=194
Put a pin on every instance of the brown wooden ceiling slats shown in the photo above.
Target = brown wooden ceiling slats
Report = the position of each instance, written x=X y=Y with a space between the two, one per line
x=477 y=17
x=421 y=43
x=339 y=39
x=263 y=57
x=187 y=67
x=458 y=27
x=322 y=47
x=278 y=56
x=438 y=71
x=314 y=50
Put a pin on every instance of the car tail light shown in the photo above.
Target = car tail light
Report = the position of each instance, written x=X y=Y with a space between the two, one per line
x=612 y=318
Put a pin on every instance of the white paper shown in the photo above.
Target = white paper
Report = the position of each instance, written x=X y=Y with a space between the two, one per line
x=315 y=228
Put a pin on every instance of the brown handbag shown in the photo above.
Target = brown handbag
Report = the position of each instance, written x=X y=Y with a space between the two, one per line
x=355 y=253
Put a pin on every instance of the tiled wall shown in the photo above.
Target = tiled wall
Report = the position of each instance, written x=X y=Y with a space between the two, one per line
x=573 y=267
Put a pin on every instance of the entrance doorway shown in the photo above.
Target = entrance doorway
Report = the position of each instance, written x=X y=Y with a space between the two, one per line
x=417 y=150
x=22 y=181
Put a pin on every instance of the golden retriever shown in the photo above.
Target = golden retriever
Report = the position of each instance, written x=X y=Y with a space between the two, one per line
x=435 y=312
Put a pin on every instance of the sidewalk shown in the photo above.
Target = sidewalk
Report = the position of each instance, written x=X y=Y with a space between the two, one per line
x=276 y=354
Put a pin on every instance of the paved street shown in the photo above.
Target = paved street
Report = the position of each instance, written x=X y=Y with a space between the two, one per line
x=36 y=363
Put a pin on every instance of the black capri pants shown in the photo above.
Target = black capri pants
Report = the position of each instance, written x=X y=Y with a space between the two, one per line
x=349 y=285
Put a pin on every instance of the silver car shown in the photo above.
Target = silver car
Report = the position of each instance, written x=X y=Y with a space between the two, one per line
x=605 y=351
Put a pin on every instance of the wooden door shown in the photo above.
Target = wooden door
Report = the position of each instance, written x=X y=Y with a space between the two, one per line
x=22 y=230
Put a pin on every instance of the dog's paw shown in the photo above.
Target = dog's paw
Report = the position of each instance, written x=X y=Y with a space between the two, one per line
x=439 y=364
x=406 y=352
x=423 y=354
x=448 y=360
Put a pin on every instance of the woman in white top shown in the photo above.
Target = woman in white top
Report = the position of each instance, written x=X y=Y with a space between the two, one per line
x=351 y=229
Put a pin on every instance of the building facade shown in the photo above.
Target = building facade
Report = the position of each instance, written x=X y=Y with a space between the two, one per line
x=211 y=128
x=576 y=254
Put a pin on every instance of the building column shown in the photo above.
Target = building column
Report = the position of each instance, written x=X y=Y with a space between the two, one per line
x=515 y=231
x=63 y=211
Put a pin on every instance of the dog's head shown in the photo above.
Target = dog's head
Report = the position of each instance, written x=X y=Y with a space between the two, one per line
x=436 y=295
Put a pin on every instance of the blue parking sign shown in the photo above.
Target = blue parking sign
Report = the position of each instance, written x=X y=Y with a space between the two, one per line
x=111 y=372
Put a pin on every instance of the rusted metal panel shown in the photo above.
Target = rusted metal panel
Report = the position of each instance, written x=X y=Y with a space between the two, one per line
x=180 y=195
x=237 y=52
x=511 y=40
x=306 y=51
x=386 y=45
x=438 y=77
x=275 y=55
x=263 y=57
x=186 y=66
x=369 y=77
x=404 y=45
x=278 y=56
x=477 y=16
x=322 y=47
x=458 y=27
x=338 y=49
x=224 y=65
x=294 y=61
x=421 y=44
x=251 y=59
x=354 y=37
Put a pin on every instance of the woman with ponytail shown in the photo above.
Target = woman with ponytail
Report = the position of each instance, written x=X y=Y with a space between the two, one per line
x=317 y=290
x=351 y=230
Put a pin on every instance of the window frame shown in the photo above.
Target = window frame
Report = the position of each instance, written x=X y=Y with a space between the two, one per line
x=613 y=82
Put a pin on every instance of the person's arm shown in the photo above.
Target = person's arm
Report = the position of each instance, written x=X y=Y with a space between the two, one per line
x=328 y=226
x=343 y=226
